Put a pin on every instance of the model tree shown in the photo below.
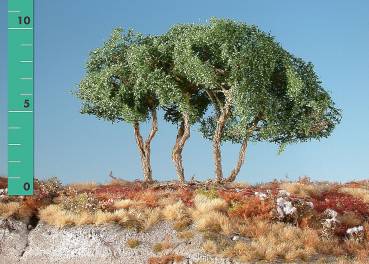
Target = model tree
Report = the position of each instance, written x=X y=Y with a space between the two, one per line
x=258 y=90
x=113 y=89
x=183 y=106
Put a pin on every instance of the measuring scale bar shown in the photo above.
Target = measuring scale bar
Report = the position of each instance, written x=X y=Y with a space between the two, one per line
x=20 y=97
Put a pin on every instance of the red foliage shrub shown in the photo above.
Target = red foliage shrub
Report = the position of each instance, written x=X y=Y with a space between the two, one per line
x=3 y=182
x=252 y=207
x=186 y=195
x=340 y=230
x=117 y=191
x=148 y=196
x=340 y=202
x=232 y=195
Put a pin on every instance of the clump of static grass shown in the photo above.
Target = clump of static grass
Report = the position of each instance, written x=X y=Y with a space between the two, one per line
x=152 y=217
x=213 y=221
x=102 y=217
x=9 y=209
x=125 y=204
x=305 y=189
x=181 y=224
x=271 y=241
x=210 y=214
x=204 y=204
x=210 y=247
x=174 y=211
x=54 y=215
x=157 y=247
x=83 y=186
x=185 y=235
x=279 y=241
x=22 y=210
x=133 y=243
x=165 y=244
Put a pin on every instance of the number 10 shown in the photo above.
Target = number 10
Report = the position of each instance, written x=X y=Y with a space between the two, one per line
x=26 y=20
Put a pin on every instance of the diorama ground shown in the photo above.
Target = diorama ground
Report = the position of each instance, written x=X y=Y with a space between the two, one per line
x=196 y=222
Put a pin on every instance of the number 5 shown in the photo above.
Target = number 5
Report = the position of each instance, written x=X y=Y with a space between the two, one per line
x=26 y=103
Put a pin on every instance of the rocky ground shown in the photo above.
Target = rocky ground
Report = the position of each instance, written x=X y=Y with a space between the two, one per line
x=91 y=244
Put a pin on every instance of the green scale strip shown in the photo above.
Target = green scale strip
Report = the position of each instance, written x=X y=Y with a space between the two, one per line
x=20 y=97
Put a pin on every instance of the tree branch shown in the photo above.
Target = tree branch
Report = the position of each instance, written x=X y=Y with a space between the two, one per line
x=241 y=156
x=154 y=127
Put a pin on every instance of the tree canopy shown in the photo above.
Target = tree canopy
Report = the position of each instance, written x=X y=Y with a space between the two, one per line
x=259 y=91
x=233 y=79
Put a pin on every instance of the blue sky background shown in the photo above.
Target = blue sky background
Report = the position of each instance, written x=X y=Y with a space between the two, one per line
x=332 y=34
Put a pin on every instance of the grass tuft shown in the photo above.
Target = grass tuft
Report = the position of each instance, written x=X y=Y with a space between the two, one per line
x=133 y=243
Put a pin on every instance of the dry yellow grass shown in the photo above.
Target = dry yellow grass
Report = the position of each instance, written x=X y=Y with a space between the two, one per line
x=271 y=241
x=183 y=223
x=54 y=215
x=129 y=219
x=9 y=209
x=174 y=211
x=165 y=244
x=83 y=186
x=209 y=214
x=360 y=193
x=279 y=241
x=305 y=189
x=133 y=243
x=213 y=221
x=205 y=204
x=210 y=247
x=169 y=199
x=123 y=204
x=85 y=218
x=253 y=227
x=121 y=182
x=102 y=217
x=185 y=235
x=241 y=250
x=152 y=216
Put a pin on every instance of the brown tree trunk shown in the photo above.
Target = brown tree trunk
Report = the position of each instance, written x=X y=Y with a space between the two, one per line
x=241 y=156
x=144 y=147
x=217 y=139
x=182 y=136
x=241 y=159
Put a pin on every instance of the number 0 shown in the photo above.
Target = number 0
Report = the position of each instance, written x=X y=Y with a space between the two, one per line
x=26 y=186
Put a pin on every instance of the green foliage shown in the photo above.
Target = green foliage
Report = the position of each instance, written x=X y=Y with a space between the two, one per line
x=264 y=83
x=210 y=193
x=113 y=87
x=132 y=74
